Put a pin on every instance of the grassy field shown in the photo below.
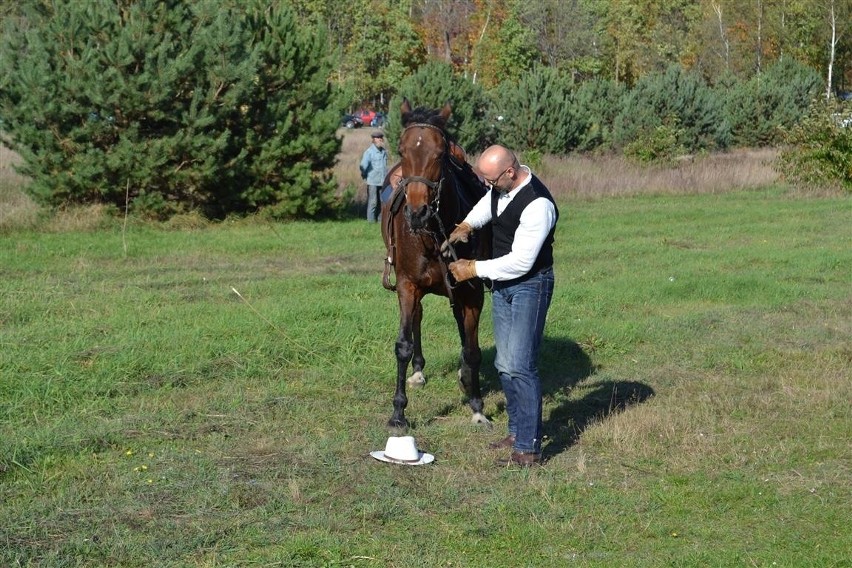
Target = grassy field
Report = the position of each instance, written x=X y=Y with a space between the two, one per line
x=696 y=368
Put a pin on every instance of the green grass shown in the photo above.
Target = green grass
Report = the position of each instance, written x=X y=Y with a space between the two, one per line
x=696 y=376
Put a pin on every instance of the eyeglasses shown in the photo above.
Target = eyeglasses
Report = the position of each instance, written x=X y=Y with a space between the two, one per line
x=492 y=183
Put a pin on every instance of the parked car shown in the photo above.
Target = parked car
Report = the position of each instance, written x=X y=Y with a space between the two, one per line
x=365 y=116
x=351 y=121
x=379 y=119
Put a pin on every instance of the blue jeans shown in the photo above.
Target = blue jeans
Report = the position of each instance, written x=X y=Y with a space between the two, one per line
x=374 y=205
x=519 y=312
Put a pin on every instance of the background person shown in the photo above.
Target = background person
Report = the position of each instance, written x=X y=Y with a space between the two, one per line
x=523 y=217
x=374 y=165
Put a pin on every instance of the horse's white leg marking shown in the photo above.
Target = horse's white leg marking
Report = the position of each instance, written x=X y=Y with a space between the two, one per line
x=417 y=379
x=479 y=418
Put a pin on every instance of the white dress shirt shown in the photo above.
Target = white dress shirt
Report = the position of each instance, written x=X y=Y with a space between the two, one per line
x=537 y=219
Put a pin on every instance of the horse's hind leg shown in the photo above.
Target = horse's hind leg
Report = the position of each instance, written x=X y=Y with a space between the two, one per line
x=467 y=318
x=417 y=377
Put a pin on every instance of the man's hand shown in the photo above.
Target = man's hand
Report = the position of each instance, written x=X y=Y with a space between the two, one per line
x=463 y=269
x=459 y=235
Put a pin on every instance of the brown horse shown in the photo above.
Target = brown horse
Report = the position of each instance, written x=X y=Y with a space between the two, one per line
x=434 y=192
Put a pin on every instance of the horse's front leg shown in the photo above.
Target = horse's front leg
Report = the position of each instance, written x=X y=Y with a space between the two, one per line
x=467 y=313
x=404 y=349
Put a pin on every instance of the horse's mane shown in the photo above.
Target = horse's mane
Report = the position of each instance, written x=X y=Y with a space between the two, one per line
x=423 y=115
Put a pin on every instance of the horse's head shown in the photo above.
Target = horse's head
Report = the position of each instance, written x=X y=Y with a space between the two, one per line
x=423 y=150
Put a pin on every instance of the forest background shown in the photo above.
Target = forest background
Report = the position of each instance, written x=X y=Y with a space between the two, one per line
x=233 y=107
x=492 y=41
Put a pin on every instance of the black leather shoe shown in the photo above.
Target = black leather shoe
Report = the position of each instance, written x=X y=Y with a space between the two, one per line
x=506 y=442
x=521 y=459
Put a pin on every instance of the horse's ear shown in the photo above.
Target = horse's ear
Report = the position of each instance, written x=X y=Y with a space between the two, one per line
x=445 y=112
x=405 y=106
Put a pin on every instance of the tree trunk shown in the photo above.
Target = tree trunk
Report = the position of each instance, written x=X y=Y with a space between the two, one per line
x=723 y=35
x=832 y=20
x=759 y=49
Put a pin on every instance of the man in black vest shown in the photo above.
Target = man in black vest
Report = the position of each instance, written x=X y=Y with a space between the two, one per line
x=523 y=217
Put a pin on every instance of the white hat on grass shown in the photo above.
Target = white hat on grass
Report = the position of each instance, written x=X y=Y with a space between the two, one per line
x=402 y=450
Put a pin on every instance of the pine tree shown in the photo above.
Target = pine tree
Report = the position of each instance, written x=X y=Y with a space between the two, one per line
x=678 y=102
x=218 y=106
x=539 y=112
x=435 y=84
x=599 y=101
x=766 y=106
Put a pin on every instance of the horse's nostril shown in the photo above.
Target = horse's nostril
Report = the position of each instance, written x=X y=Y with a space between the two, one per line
x=418 y=214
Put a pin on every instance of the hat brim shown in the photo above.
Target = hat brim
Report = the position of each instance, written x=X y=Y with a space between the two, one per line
x=423 y=458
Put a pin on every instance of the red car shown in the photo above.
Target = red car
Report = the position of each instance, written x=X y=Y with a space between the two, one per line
x=365 y=116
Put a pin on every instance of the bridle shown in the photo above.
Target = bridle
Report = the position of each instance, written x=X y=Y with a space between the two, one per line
x=435 y=187
x=400 y=194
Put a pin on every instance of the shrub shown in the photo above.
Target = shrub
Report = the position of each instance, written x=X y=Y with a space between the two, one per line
x=659 y=145
x=820 y=152
x=223 y=107
x=533 y=158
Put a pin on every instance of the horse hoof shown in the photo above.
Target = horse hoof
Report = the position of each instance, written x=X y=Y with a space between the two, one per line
x=479 y=418
x=416 y=380
x=397 y=426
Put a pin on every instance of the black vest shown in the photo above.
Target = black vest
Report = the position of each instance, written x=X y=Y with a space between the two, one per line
x=505 y=225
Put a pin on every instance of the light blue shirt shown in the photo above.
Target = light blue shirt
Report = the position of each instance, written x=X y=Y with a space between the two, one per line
x=374 y=165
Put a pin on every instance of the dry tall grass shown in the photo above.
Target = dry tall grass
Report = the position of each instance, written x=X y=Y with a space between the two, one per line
x=606 y=176
x=16 y=208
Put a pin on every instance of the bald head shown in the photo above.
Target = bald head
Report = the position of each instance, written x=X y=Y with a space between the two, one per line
x=495 y=158
x=499 y=167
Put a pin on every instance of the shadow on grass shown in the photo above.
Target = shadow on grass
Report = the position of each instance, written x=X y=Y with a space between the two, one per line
x=570 y=418
x=562 y=366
